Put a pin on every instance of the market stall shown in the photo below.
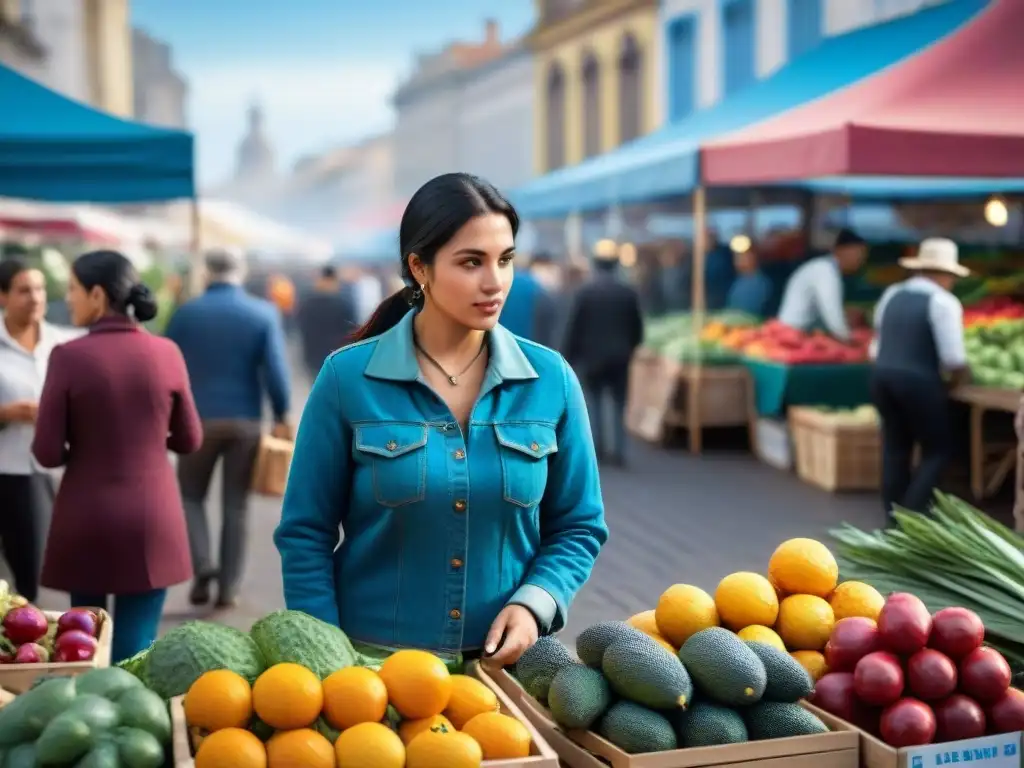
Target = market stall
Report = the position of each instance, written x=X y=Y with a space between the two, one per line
x=924 y=118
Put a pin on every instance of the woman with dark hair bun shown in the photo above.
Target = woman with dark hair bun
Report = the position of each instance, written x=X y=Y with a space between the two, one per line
x=114 y=402
x=452 y=460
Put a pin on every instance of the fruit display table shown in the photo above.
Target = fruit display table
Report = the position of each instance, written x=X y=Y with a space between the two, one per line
x=777 y=386
x=990 y=463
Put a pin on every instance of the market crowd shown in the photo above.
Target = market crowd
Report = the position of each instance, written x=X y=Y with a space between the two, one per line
x=395 y=418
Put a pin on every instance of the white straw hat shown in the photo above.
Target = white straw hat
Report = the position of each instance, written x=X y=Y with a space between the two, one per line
x=937 y=254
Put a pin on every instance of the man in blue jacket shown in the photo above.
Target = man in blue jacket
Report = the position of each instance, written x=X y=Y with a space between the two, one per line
x=234 y=347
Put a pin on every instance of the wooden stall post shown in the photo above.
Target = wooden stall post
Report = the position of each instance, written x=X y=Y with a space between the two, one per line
x=700 y=244
x=195 y=273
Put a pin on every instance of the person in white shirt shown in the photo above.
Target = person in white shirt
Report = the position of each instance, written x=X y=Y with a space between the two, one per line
x=814 y=292
x=920 y=354
x=26 y=341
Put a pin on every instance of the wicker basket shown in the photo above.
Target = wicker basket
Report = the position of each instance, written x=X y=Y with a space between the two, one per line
x=833 y=453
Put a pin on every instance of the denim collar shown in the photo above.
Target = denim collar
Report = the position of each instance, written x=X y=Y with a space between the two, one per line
x=394 y=358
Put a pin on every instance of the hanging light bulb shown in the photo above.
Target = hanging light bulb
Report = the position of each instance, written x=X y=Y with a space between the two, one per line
x=740 y=244
x=627 y=255
x=996 y=212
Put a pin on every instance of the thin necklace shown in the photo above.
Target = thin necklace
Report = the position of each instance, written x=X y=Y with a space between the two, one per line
x=453 y=380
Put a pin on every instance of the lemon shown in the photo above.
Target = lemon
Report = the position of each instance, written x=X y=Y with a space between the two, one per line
x=746 y=598
x=804 y=566
x=855 y=598
x=805 y=622
x=756 y=633
x=684 y=610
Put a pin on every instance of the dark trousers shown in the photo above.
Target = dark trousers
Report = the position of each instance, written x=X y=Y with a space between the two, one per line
x=26 y=503
x=914 y=411
x=235 y=443
x=136 y=619
x=611 y=381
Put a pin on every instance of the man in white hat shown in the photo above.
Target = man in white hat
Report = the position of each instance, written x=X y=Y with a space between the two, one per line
x=920 y=355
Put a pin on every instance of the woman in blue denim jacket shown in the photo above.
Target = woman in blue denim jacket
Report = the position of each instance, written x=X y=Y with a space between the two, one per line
x=444 y=492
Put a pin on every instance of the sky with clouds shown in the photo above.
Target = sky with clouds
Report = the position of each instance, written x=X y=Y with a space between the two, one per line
x=323 y=69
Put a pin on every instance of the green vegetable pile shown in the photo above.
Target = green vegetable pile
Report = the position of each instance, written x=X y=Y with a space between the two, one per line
x=104 y=718
x=957 y=556
x=676 y=337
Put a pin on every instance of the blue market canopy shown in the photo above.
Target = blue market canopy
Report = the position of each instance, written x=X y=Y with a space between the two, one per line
x=59 y=150
x=665 y=163
x=379 y=246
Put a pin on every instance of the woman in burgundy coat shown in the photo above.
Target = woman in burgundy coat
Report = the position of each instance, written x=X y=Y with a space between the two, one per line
x=114 y=402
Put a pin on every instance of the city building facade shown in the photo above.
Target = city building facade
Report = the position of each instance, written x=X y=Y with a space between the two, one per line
x=596 y=77
x=160 y=91
x=82 y=48
x=495 y=120
x=427 y=125
x=713 y=48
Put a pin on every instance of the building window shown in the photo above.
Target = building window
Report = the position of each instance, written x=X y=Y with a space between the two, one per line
x=804 y=26
x=682 y=63
x=738 y=33
x=555 y=117
x=631 y=91
x=591 y=106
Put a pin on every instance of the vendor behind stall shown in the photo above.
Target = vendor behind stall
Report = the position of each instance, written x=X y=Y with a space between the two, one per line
x=751 y=291
x=920 y=355
x=814 y=293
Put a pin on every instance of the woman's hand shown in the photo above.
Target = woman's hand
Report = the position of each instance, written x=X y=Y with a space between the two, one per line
x=519 y=629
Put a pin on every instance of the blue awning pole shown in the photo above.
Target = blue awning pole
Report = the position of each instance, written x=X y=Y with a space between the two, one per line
x=693 y=390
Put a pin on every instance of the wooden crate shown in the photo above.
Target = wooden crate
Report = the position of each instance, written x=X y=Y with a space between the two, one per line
x=833 y=454
x=541 y=753
x=874 y=753
x=18 y=678
x=585 y=749
x=712 y=396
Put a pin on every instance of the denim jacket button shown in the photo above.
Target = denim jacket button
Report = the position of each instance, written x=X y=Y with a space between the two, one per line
x=456 y=563
x=455 y=613
x=460 y=505
x=459 y=454
x=534 y=447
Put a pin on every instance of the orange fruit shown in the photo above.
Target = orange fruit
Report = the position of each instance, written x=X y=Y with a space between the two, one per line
x=746 y=598
x=647 y=623
x=369 y=745
x=302 y=748
x=418 y=683
x=288 y=696
x=684 y=610
x=435 y=749
x=219 y=699
x=855 y=598
x=805 y=622
x=813 y=662
x=231 y=748
x=354 y=695
x=756 y=633
x=410 y=729
x=804 y=566
x=500 y=737
x=469 y=698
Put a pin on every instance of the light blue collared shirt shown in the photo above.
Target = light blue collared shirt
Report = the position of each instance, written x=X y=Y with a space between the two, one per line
x=439 y=530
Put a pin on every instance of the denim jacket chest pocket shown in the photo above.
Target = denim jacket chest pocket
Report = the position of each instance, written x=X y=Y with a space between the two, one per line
x=397 y=455
x=524 y=450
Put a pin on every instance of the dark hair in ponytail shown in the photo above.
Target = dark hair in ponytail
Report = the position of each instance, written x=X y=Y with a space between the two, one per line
x=438 y=210
x=117 y=278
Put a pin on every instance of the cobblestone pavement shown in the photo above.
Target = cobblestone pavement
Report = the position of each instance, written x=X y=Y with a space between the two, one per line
x=673 y=518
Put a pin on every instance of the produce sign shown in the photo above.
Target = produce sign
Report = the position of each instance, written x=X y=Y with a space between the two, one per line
x=780 y=343
x=914 y=679
x=957 y=556
x=700 y=671
x=995 y=353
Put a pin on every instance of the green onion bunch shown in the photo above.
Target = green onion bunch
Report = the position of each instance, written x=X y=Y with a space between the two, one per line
x=957 y=556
